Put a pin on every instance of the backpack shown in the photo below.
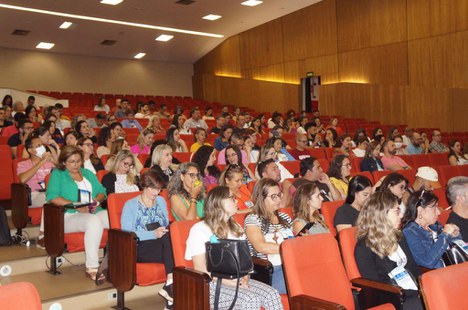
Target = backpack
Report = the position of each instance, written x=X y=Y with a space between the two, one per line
x=5 y=236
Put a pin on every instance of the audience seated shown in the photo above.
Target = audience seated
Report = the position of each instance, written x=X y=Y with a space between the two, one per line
x=234 y=140
x=269 y=169
x=415 y=146
x=436 y=145
x=90 y=160
x=426 y=179
x=381 y=253
x=389 y=160
x=268 y=152
x=105 y=140
x=143 y=111
x=200 y=138
x=219 y=223
x=232 y=178
x=371 y=161
x=233 y=155
x=360 y=189
x=205 y=158
x=331 y=138
x=280 y=147
x=257 y=125
x=195 y=120
x=360 y=150
x=122 y=107
x=455 y=155
x=186 y=193
x=396 y=184
x=163 y=113
x=130 y=121
x=65 y=183
x=161 y=163
x=175 y=141
x=117 y=130
x=122 y=174
x=457 y=193
x=3 y=121
x=307 y=204
x=400 y=147
x=99 y=121
x=144 y=142
x=266 y=228
x=339 y=173
x=118 y=145
x=102 y=106
x=220 y=123
x=222 y=141
x=83 y=130
x=426 y=237
x=251 y=148
x=154 y=242
x=25 y=127
x=50 y=145
x=300 y=152
x=155 y=124
x=314 y=138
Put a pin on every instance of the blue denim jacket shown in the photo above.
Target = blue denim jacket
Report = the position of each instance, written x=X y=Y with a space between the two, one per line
x=426 y=252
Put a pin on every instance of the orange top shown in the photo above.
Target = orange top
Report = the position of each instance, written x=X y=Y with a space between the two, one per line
x=244 y=200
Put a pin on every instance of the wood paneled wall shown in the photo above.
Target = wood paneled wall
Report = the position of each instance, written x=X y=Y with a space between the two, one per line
x=397 y=61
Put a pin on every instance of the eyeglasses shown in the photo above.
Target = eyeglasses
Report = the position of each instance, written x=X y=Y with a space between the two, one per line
x=87 y=144
x=126 y=165
x=275 y=196
x=192 y=175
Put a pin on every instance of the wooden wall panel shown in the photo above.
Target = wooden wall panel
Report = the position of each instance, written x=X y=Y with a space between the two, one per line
x=385 y=64
x=270 y=73
x=262 y=46
x=325 y=66
x=310 y=32
x=366 y=23
x=440 y=61
x=457 y=116
x=224 y=59
x=419 y=22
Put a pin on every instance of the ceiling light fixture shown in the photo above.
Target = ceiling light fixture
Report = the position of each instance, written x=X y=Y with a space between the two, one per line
x=111 y=2
x=139 y=55
x=164 y=38
x=65 y=25
x=109 y=21
x=212 y=17
x=252 y=2
x=45 y=45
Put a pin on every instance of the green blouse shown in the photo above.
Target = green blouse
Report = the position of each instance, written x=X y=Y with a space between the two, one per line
x=200 y=208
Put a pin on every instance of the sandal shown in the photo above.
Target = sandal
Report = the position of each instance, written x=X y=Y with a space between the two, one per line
x=94 y=275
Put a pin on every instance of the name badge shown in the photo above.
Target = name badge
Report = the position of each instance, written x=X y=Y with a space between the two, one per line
x=84 y=196
x=249 y=204
x=403 y=278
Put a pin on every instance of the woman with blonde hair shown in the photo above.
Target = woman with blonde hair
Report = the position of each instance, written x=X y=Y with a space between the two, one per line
x=382 y=253
x=266 y=228
x=155 y=124
x=232 y=178
x=122 y=175
x=186 y=193
x=268 y=152
x=161 y=162
x=219 y=223
x=307 y=203
x=144 y=141
x=118 y=145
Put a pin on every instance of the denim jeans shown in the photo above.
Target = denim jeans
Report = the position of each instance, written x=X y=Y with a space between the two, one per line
x=278 y=279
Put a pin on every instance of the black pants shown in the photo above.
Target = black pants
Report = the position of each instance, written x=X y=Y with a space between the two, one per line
x=156 y=251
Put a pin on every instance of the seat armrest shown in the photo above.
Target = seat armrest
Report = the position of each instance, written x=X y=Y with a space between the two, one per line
x=54 y=236
x=304 y=302
x=263 y=270
x=261 y=262
x=122 y=259
x=191 y=288
x=374 y=293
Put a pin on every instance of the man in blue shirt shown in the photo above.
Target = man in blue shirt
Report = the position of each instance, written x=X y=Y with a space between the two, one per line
x=415 y=146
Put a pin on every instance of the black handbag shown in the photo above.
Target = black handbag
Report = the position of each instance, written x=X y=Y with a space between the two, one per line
x=454 y=255
x=228 y=259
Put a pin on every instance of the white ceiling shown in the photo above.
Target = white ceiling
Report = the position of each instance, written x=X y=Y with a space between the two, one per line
x=85 y=38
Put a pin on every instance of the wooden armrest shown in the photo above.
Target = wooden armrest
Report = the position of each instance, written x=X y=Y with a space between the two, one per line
x=261 y=262
x=122 y=259
x=304 y=302
x=53 y=229
x=263 y=270
x=191 y=288
x=374 y=293
x=19 y=205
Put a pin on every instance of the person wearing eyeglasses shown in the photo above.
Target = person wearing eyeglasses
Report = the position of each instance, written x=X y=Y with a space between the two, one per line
x=268 y=152
x=122 y=175
x=382 y=252
x=266 y=228
x=232 y=178
x=360 y=188
x=300 y=151
x=233 y=156
x=91 y=161
x=70 y=183
x=161 y=163
x=118 y=145
x=457 y=194
x=219 y=223
x=146 y=215
x=339 y=173
x=186 y=193
x=436 y=145
x=269 y=169
x=427 y=238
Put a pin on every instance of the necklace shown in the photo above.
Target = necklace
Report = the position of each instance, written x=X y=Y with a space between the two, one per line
x=146 y=204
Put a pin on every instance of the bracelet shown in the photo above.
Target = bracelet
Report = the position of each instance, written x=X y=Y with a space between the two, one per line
x=193 y=200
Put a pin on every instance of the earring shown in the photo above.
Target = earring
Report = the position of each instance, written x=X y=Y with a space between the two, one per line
x=420 y=217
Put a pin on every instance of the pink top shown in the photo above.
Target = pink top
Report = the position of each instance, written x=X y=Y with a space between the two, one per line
x=40 y=174
x=395 y=160
x=136 y=149
x=222 y=158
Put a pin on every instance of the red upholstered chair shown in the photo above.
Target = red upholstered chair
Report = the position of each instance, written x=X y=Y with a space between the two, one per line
x=379 y=174
x=6 y=173
x=325 y=164
x=409 y=174
x=317 y=153
x=408 y=159
x=100 y=174
x=438 y=159
x=316 y=281
x=420 y=160
x=367 y=174
x=356 y=163
x=104 y=158
x=440 y=193
x=124 y=271
x=347 y=239
x=445 y=288
x=446 y=173
x=143 y=158
x=328 y=211
x=20 y=296
x=183 y=157
x=292 y=166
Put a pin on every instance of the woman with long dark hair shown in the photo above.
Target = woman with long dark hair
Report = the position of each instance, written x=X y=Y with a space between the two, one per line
x=205 y=158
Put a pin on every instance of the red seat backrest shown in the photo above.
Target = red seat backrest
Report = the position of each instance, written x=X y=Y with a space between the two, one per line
x=317 y=153
x=446 y=173
x=409 y=174
x=438 y=159
x=328 y=211
x=6 y=173
x=325 y=164
x=379 y=174
x=179 y=234
x=115 y=204
x=366 y=174
x=20 y=296
x=100 y=174
x=293 y=166
x=347 y=238
x=420 y=160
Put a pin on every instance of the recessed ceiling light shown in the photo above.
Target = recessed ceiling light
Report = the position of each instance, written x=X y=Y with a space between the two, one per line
x=139 y=55
x=65 y=25
x=252 y=2
x=164 y=37
x=110 y=21
x=111 y=2
x=45 y=45
x=212 y=17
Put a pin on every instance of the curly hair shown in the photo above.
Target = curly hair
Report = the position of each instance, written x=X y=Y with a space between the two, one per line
x=176 y=186
x=201 y=157
x=259 y=194
x=374 y=227
x=215 y=214
x=301 y=204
